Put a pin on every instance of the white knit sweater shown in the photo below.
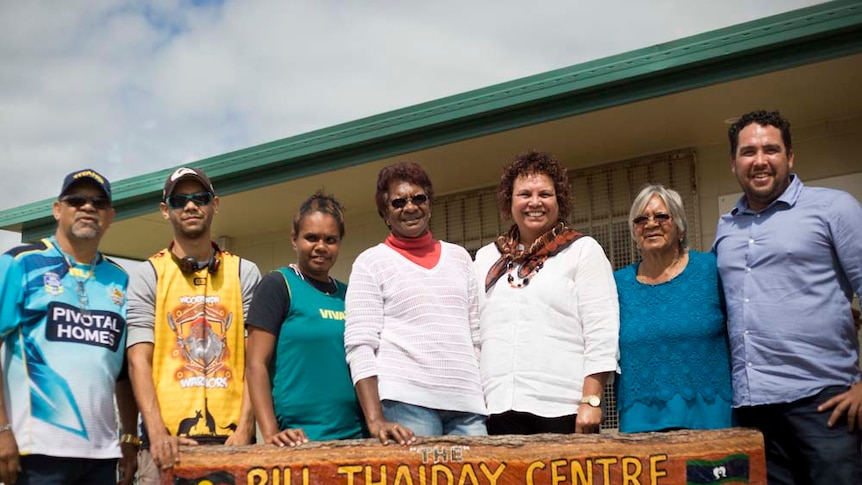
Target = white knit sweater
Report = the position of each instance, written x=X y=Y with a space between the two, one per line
x=416 y=329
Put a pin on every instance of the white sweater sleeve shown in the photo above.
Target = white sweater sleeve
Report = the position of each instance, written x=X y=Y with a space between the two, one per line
x=364 y=308
x=473 y=289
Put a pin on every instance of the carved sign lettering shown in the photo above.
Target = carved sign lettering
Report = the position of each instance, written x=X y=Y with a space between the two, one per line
x=681 y=457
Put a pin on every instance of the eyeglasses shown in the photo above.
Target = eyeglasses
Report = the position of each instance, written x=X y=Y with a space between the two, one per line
x=79 y=200
x=199 y=199
x=659 y=218
x=401 y=202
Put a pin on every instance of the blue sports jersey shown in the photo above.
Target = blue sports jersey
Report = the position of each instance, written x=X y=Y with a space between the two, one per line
x=64 y=333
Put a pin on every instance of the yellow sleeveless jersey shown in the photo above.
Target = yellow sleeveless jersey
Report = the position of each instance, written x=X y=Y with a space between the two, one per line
x=199 y=351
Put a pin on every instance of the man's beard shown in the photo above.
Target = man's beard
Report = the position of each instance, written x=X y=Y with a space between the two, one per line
x=85 y=231
x=194 y=232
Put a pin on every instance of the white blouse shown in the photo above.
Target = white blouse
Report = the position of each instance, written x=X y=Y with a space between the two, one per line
x=540 y=341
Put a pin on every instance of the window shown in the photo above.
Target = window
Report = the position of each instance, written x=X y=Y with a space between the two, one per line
x=602 y=197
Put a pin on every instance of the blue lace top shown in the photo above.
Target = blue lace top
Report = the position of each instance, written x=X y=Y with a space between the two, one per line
x=674 y=357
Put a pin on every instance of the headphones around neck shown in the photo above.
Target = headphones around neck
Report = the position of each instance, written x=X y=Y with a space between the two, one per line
x=190 y=265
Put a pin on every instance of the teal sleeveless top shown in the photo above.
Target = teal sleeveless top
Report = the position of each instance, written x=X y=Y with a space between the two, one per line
x=311 y=385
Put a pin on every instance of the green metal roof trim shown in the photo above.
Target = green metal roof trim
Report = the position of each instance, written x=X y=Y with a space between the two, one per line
x=821 y=32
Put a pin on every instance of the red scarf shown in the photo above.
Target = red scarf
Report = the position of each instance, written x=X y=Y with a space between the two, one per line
x=548 y=244
x=423 y=250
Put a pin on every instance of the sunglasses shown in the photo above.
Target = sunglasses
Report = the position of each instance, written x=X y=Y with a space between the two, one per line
x=79 y=200
x=401 y=202
x=199 y=199
x=658 y=218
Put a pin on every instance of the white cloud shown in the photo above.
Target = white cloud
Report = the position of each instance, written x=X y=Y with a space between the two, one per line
x=132 y=86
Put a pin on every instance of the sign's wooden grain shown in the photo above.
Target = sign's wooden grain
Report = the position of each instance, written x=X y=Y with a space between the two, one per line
x=728 y=456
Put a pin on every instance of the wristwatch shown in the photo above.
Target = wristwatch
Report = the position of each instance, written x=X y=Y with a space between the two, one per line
x=130 y=439
x=594 y=401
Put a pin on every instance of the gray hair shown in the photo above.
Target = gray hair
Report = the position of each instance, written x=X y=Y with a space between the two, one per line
x=672 y=201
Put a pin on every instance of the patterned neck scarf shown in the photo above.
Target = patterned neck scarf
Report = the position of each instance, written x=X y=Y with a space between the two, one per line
x=550 y=243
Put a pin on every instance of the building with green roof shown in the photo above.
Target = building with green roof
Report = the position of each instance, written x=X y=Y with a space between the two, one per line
x=657 y=114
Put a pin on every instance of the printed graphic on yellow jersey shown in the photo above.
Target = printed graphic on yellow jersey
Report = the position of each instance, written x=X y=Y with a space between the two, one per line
x=201 y=326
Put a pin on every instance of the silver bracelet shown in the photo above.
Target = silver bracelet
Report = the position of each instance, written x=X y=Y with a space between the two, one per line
x=5 y=427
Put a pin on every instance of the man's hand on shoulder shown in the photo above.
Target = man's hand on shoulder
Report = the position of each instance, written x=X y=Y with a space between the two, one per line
x=849 y=403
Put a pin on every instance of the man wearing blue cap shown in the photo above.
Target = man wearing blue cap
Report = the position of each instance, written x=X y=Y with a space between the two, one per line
x=63 y=331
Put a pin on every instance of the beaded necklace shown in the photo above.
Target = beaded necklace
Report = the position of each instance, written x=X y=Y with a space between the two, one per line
x=672 y=271
x=83 y=299
x=513 y=253
x=526 y=279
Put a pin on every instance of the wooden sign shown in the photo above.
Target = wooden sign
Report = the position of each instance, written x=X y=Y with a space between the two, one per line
x=729 y=456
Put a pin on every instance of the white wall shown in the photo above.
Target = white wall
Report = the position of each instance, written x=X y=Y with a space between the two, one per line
x=272 y=250
x=826 y=154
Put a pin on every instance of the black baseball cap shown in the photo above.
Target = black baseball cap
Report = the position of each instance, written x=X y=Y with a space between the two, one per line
x=186 y=173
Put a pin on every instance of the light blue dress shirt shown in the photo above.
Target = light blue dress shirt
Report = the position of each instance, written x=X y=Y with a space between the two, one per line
x=789 y=273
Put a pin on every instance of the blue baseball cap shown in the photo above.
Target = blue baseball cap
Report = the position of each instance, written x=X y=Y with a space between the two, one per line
x=86 y=174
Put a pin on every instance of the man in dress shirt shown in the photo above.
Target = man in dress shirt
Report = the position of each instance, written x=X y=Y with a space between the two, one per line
x=790 y=259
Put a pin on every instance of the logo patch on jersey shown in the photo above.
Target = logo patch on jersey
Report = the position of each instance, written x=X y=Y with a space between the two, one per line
x=201 y=325
x=331 y=314
x=99 y=328
x=53 y=283
x=118 y=296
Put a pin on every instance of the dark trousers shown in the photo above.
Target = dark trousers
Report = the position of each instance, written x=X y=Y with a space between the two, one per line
x=52 y=470
x=801 y=448
x=516 y=422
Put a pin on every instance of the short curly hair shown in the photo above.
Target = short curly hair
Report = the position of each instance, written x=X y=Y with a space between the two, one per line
x=532 y=163
x=762 y=118
x=410 y=172
x=323 y=203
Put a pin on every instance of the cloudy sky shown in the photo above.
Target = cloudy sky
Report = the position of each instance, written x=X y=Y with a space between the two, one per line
x=132 y=86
